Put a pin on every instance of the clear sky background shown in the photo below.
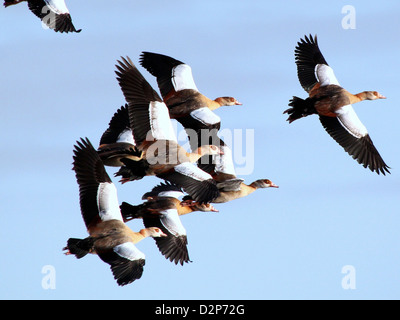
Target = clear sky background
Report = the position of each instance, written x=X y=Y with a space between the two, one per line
x=286 y=243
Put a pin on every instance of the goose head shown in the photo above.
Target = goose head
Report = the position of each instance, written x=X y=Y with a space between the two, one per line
x=264 y=183
x=153 y=232
x=373 y=95
x=228 y=101
x=210 y=150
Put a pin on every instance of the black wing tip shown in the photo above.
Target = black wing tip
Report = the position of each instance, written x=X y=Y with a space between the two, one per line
x=208 y=193
x=124 y=64
x=147 y=55
x=307 y=48
x=8 y=3
x=87 y=164
x=375 y=164
x=368 y=156
x=361 y=149
x=178 y=258
x=174 y=249
x=82 y=144
x=62 y=23
x=307 y=56
x=125 y=275
x=157 y=64
x=74 y=30
x=180 y=261
x=310 y=39
x=135 y=87
x=144 y=58
x=163 y=186
x=383 y=169
x=70 y=29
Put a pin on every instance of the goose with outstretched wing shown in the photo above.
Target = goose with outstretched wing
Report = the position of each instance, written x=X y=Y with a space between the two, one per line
x=109 y=237
x=333 y=104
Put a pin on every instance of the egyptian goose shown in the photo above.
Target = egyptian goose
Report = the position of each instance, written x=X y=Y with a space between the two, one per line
x=163 y=195
x=244 y=190
x=173 y=192
x=333 y=104
x=117 y=141
x=177 y=86
x=162 y=210
x=53 y=13
x=154 y=136
x=194 y=111
x=109 y=237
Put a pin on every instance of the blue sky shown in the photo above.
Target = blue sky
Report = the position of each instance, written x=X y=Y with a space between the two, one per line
x=286 y=243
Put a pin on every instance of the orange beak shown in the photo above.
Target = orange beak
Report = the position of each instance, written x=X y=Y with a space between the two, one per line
x=212 y=209
x=381 y=96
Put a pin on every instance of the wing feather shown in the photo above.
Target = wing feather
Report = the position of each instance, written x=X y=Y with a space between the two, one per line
x=361 y=147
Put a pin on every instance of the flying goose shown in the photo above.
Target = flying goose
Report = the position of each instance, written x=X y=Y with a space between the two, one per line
x=243 y=191
x=177 y=86
x=109 y=237
x=333 y=104
x=194 y=111
x=162 y=210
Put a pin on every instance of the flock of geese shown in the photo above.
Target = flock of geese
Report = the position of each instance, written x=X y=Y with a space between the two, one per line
x=140 y=141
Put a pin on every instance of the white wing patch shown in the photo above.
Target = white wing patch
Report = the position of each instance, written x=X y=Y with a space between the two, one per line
x=107 y=202
x=205 y=116
x=182 y=78
x=170 y=194
x=325 y=75
x=224 y=162
x=160 y=122
x=57 y=6
x=128 y=251
x=350 y=121
x=190 y=170
x=127 y=137
x=171 y=221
